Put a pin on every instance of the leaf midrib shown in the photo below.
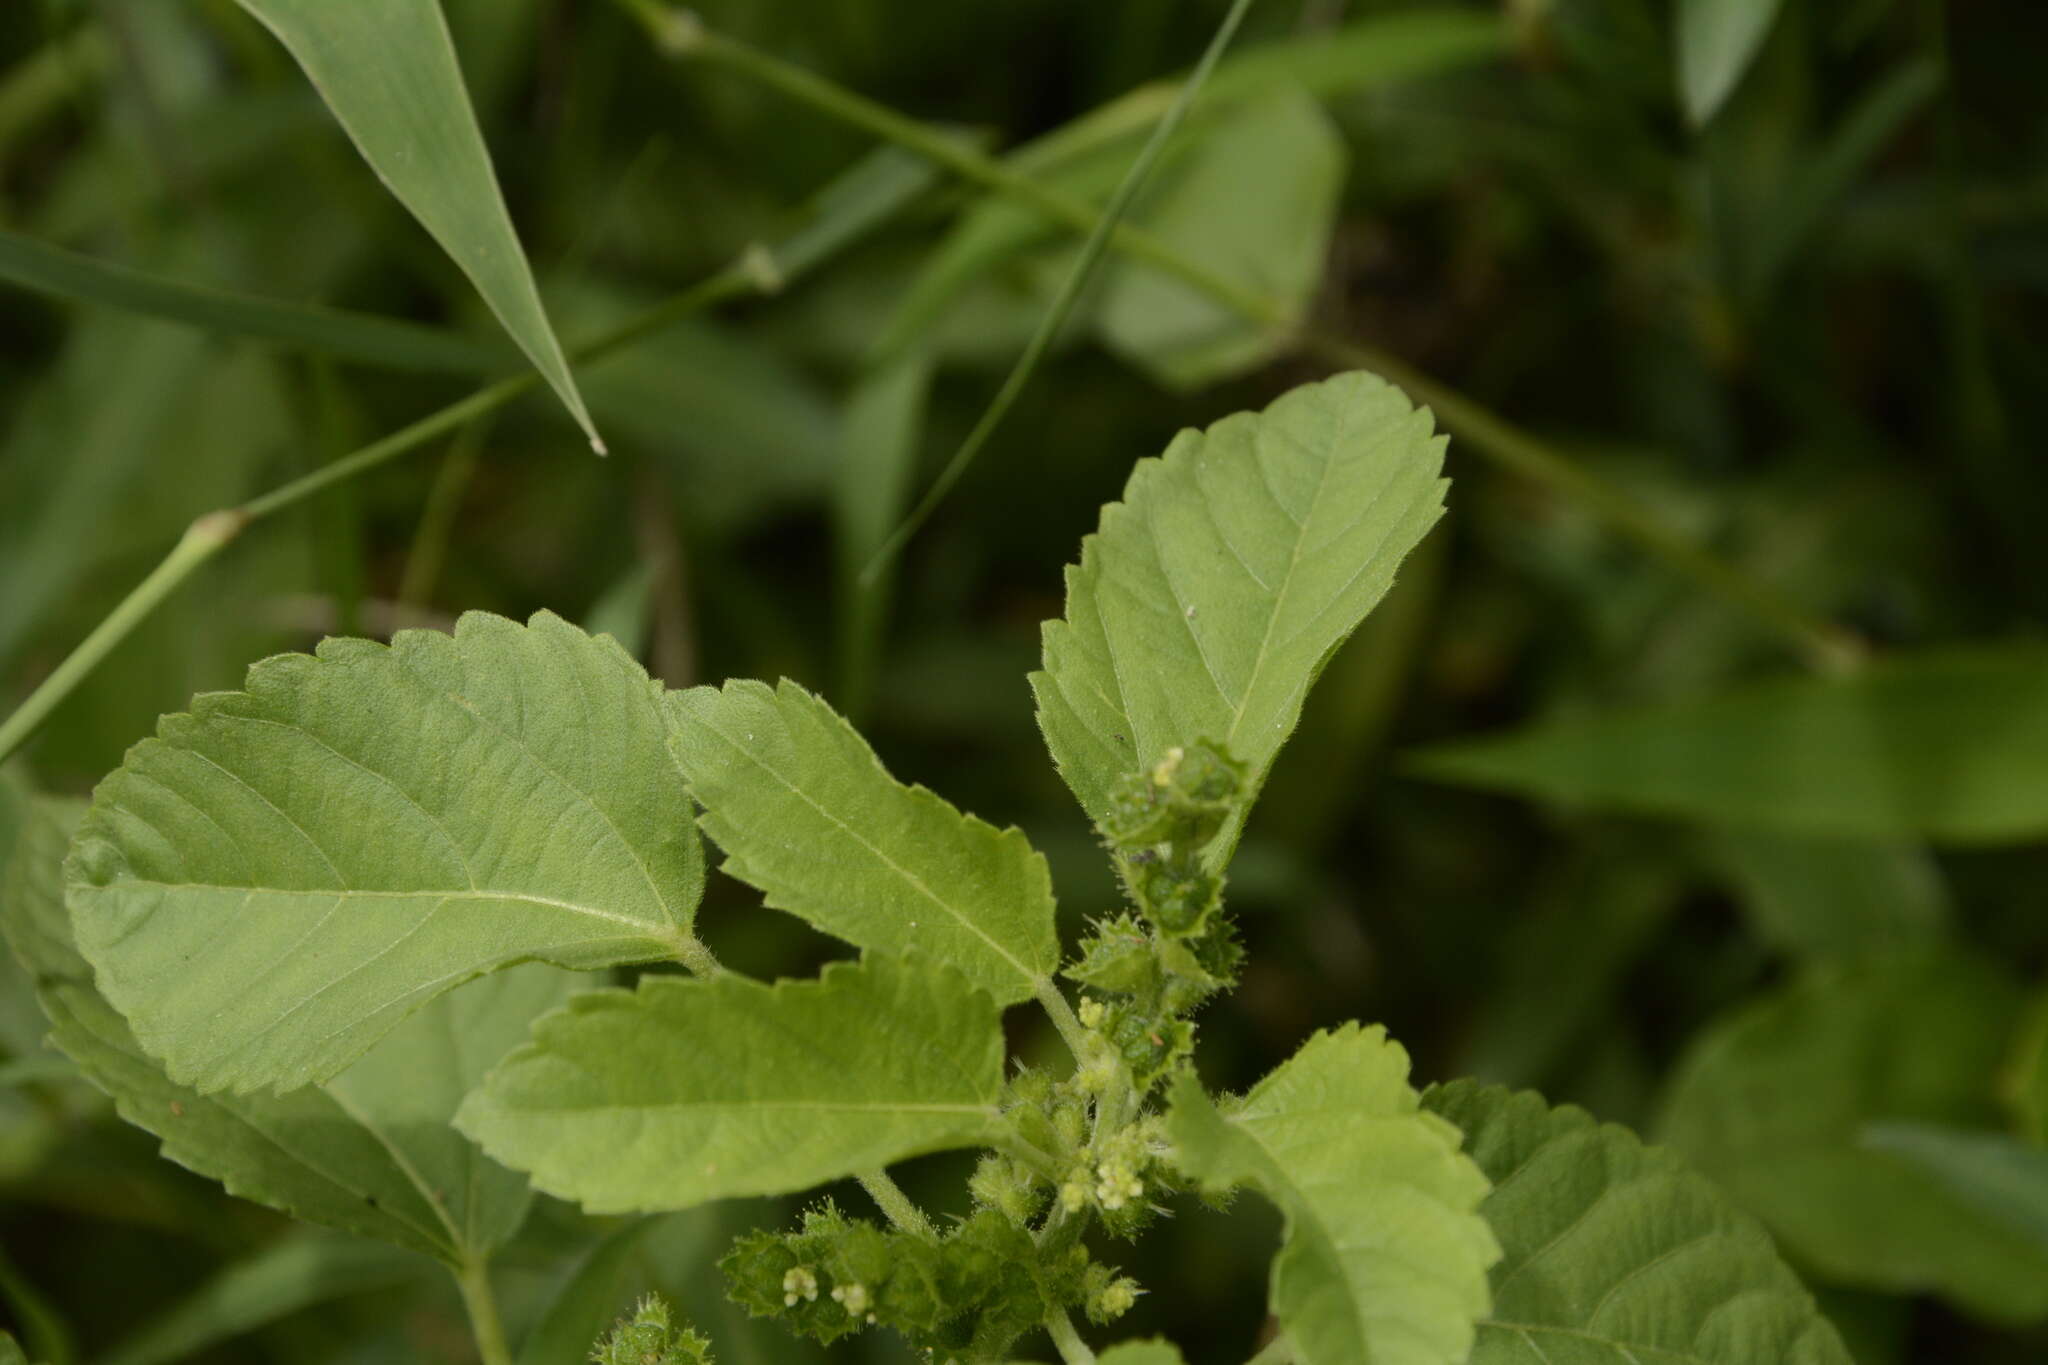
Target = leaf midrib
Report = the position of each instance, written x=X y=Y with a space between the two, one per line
x=652 y=931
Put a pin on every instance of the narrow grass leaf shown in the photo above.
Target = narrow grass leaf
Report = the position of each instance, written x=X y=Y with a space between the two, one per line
x=1717 y=40
x=1818 y=897
x=1616 y=1253
x=386 y=342
x=1943 y=745
x=1213 y=594
x=685 y=1090
x=808 y=815
x=285 y=873
x=1773 y=1103
x=1385 y=1256
x=388 y=71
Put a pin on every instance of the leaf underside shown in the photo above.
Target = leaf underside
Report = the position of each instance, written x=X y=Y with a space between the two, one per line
x=807 y=814
x=282 y=875
x=1615 y=1252
x=1385 y=1254
x=1212 y=595
x=686 y=1090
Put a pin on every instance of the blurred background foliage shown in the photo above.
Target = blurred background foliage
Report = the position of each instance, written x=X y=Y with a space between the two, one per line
x=1778 y=271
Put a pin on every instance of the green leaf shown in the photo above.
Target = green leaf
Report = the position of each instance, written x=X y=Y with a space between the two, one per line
x=1772 y=1103
x=806 y=813
x=1833 y=897
x=1254 y=203
x=1385 y=1255
x=10 y=1350
x=1945 y=746
x=291 y=1274
x=2000 y=1177
x=881 y=434
x=1615 y=1252
x=685 y=1090
x=387 y=70
x=372 y=1153
x=2023 y=1083
x=1717 y=40
x=1213 y=594
x=285 y=873
x=364 y=337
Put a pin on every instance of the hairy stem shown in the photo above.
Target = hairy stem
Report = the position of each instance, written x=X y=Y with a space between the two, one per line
x=906 y=1215
x=1820 y=643
x=474 y=1279
x=693 y=954
x=1073 y=1350
x=1063 y=1018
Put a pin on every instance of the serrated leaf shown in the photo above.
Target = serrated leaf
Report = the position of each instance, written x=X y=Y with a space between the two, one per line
x=387 y=69
x=1946 y=746
x=685 y=1090
x=1772 y=1102
x=806 y=813
x=1213 y=594
x=1253 y=202
x=1717 y=40
x=371 y=1154
x=1385 y=1256
x=1616 y=1252
x=282 y=875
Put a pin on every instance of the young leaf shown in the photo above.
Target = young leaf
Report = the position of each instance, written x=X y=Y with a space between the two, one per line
x=285 y=873
x=374 y=1156
x=1717 y=39
x=806 y=812
x=1944 y=746
x=1773 y=1101
x=689 y=1090
x=1213 y=593
x=1385 y=1256
x=1617 y=1252
x=387 y=69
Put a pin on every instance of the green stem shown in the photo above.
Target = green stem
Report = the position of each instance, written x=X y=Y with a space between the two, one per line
x=474 y=1279
x=209 y=533
x=1819 y=642
x=1073 y=1350
x=201 y=541
x=1063 y=1017
x=894 y=1202
x=1063 y=302
x=691 y=952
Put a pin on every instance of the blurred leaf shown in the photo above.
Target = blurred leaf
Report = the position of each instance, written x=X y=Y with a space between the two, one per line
x=587 y=1302
x=1772 y=1102
x=1717 y=40
x=683 y=1090
x=373 y=340
x=881 y=432
x=1253 y=202
x=1816 y=897
x=290 y=1275
x=1947 y=746
x=1385 y=1257
x=387 y=69
x=1616 y=1252
x=621 y=610
x=1214 y=593
x=1154 y=1352
x=376 y=778
x=2000 y=1177
x=2023 y=1084
x=808 y=815
x=10 y=1350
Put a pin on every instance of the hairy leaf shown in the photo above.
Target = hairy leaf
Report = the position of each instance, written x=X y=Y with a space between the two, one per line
x=372 y=1153
x=285 y=873
x=1215 y=591
x=687 y=1090
x=806 y=812
x=1385 y=1255
x=1772 y=1102
x=387 y=69
x=1615 y=1252
x=1944 y=746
